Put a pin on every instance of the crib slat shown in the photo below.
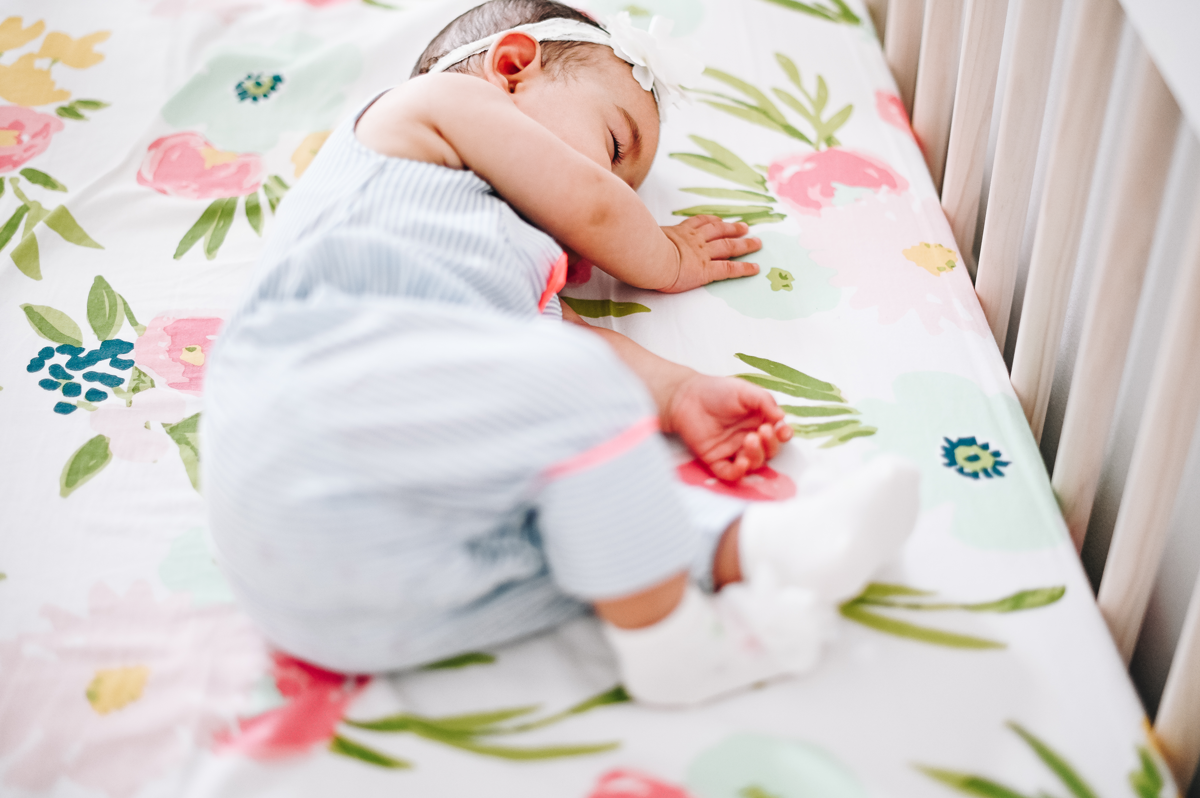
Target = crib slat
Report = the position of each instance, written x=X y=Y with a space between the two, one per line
x=1137 y=196
x=878 y=9
x=1164 y=437
x=1178 y=723
x=937 y=71
x=974 y=97
x=902 y=45
x=1073 y=148
x=1016 y=156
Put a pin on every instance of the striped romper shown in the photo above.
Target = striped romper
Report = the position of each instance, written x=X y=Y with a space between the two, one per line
x=403 y=459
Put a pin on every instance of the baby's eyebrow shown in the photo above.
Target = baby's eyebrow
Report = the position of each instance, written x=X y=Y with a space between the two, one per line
x=635 y=146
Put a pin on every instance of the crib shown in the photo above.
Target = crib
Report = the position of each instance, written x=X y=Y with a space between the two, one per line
x=949 y=81
x=145 y=146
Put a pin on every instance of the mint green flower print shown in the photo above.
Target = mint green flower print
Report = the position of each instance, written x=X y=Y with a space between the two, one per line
x=954 y=431
x=248 y=95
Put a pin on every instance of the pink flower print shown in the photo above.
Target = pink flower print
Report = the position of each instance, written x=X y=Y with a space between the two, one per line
x=129 y=431
x=121 y=693
x=187 y=165
x=579 y=272
x=176 y=349
x=316 y=702
x=806 y=182
x=903 y=267
x=631 y=784
x=764 y=485
x=24 y=135
x=891 y=110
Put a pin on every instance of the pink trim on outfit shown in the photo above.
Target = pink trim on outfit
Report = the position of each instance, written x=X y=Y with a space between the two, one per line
x=558 y=278
x=602 y=453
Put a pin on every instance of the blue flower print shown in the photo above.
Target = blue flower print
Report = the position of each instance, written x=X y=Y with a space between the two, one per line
x=971 y=458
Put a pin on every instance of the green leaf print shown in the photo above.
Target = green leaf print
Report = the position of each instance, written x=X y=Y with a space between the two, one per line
x=53 y=325
x=462 y=661
x=722 y=163
x=787 y=380
x=730 y=194
x=215 y=236
x=345 y=747
x=87 y=461
x=970 y=785
x=857 y=612
x=10 y=227
x=138 y=381
x=839 y=13
x=140 y=329
x=62 y=222
x=200 y=229
x=26 y=256
x=901 y=597
x=275 y=188
x=1024 y=600
x=254 y=212
x=598 y=308
x=1146 y=780
x=105 y=309
x=186 y=437
x=42 y=179
x=1066 y=774
x=471 y=732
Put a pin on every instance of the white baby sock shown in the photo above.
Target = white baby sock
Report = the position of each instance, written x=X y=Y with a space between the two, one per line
x=833 y=542
x=712 y=645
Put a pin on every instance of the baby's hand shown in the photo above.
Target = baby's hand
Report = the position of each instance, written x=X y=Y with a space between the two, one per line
x=731 y=425
x=705 y=245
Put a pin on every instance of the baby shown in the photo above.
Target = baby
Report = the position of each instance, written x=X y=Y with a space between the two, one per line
x=408 y=456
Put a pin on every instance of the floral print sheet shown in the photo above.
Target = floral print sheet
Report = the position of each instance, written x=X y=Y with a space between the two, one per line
x=144 y=148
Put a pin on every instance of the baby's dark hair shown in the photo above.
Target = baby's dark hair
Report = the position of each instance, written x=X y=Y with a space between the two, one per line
x=500 y=15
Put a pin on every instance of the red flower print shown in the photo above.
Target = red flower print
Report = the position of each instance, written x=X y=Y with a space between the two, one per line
x=764 y=485
x=631 y=784
x=24 y=135
x=316 y=702
x=806 y=182
x=187 y=165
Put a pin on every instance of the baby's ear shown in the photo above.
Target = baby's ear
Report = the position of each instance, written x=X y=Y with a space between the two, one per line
x=514 y=58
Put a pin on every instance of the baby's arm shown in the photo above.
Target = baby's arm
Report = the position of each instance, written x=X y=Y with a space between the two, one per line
x=733 y=426
x=465 y=122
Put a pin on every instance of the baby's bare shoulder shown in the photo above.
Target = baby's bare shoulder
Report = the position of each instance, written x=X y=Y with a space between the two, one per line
x=407 y=122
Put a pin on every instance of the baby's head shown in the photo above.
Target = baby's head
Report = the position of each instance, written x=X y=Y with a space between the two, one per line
x=581 y=91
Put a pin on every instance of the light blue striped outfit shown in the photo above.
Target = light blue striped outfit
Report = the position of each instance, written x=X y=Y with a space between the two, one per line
x=396 y=446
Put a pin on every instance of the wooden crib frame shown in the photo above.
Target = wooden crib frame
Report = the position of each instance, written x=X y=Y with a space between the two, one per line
x=950 y=92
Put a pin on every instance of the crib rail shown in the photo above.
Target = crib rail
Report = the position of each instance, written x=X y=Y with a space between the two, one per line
x=947 y=78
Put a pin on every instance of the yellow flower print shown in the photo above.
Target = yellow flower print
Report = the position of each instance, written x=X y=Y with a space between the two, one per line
x=933 y=258
x=24 y=84
x=114 y=688
x=12 y=35
x=75 y=53
x=307 y=150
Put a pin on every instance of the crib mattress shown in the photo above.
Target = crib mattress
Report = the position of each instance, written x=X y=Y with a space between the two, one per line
x=145 y=145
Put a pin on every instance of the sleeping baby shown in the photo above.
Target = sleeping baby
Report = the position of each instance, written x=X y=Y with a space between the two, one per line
x=408 y=454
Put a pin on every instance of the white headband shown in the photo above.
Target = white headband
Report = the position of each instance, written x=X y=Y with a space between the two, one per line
x=658 y=66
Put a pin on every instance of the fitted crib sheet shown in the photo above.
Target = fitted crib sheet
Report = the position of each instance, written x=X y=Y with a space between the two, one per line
x=145 y=145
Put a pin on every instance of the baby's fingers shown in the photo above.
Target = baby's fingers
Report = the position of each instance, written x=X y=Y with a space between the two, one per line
x=754 y=451
x=730 y=470
x=715 y=227
x=726 y=248
x=728 y=269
